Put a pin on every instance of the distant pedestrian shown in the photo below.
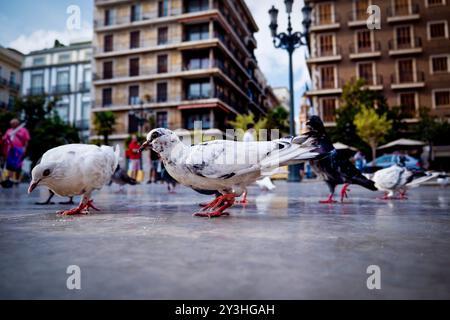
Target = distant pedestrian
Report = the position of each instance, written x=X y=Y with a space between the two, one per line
x=249 y=135
x=134 y=157
x=168 y=179
x=15 y=143
x=154 y=167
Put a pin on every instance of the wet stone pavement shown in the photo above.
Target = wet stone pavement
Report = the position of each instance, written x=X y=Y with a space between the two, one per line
x=145 y=244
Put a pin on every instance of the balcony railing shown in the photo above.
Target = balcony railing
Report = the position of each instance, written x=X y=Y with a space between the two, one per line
x=35 y=91
x=61 y=89
x=328 y=52
x=329 y=84
x=125 y=20
x=13 y=85
x=374 y=47
x=124 y=46
x=408 y=77
x=325 y=21
x=373 y=80
x=403 y=10
x=358 y=15
x=414 y=43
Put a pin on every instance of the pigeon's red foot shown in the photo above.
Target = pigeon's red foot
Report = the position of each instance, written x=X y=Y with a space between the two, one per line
x=244 y=198
x=403 y=196
x=217 y=207
x=344 y=193
x=329 y=200
x=83 y=208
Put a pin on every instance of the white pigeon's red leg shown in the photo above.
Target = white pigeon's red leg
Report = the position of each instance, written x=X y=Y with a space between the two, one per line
x=217 y=207
x=244 y=198
x=329 y=200
x=344 y=191
x=83 y=207
x=403 y=195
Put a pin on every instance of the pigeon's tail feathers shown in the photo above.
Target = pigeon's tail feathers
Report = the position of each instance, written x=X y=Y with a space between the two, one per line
x=418 y=181
x=364 y=182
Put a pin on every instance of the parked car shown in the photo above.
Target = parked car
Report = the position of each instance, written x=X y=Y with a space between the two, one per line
x=388 y=160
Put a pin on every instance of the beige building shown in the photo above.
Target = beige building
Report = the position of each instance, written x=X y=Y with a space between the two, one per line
x=10 y=76
x=177 y=61
x=408 y=59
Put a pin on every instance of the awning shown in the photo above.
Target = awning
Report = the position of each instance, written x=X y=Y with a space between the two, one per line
x=402 y=143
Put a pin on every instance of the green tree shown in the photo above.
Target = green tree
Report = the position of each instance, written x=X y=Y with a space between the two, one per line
x=47 y=129
x=243 y=120
x=371 y=127
x=104 y=123
x=277 y=118
x=354 y=97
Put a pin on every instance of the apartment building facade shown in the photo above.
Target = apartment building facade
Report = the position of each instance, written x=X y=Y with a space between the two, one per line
x=178 y=61
x=10 y=63
x=408 y=59
x=65 y=72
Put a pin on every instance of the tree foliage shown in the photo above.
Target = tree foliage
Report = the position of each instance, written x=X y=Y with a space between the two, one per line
x=371 y=127
x=104 y=123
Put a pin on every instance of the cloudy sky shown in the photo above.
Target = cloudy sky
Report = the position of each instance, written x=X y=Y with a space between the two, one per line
x=28 y=25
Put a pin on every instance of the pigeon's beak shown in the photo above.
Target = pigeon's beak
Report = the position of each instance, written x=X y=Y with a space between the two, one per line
x=144 y=146
x=33 y=185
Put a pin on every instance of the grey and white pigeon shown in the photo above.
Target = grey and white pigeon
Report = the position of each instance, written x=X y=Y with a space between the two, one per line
x=224 y=165
x=75 y=169
x=398 y=178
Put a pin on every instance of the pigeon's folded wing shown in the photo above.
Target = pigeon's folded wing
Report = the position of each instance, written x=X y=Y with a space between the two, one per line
x=223 y=159
x=392 y=177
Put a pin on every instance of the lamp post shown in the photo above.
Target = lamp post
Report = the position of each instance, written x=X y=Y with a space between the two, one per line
x=290 y=41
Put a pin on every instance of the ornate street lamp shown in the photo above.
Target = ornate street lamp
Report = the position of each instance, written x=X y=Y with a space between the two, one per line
x=290 y=41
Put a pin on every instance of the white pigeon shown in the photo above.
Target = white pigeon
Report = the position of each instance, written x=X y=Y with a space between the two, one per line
x=224 y=165
x=397 y=178
x=75 y=169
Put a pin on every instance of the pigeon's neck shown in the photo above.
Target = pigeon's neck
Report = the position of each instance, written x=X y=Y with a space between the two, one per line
x=173 y=151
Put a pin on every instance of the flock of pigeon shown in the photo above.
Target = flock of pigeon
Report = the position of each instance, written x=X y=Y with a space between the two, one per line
x=214 y=167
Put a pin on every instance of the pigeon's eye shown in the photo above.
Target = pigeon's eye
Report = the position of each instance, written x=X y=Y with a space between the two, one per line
x=155 y=135
x=46 y=172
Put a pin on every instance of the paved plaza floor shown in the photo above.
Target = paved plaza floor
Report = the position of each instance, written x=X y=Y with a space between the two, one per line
x=145 y=244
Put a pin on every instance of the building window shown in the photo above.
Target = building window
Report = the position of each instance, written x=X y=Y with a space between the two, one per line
x=199 y=90
x=107 y=70
x=62 y=81
x=437 y=30
x=328 y=109
x=364 y=40
x=135 y=12
x=441 y=98
x=195 y=63
x=197 y=32
x=403 y=37
x=108 y=43
x=408 y=104
x=163 y=8
x=135 y=39
x=401 y=7
x=432 y=3
x=109 y=17
x=327 y=77
x=133 y=67
x=12 y=78
x=163 y=35
x=360 y=12
x=64 y=58
x=405 y=71
x=196 y=5
x=325 y=13
x=365 y=71
x=162 y=63
x=133 y=95
x=326 y=45
x=107 y=97
x=38 y=61
x=62 y=108
x=85 y=115
x=204 y=117
x=161 y=92
x=37 y=84
x=439 y=64
x=161 y=119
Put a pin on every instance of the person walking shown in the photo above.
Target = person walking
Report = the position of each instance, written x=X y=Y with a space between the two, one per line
x=134 y=157
x=15 y=143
